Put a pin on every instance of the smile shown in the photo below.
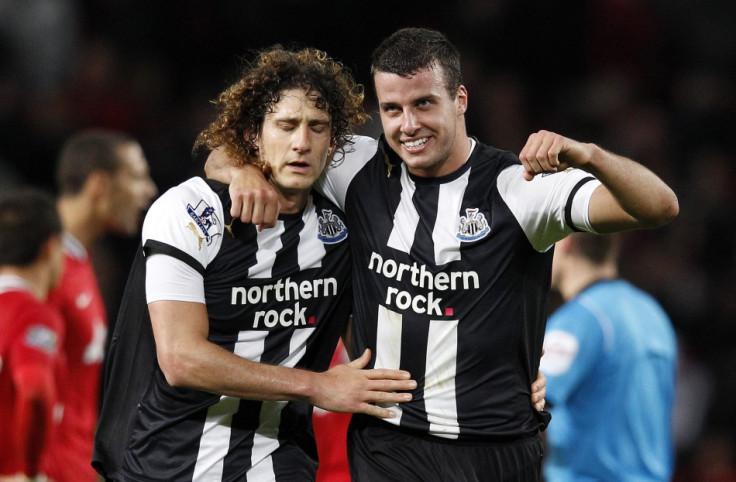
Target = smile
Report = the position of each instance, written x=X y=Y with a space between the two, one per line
x=416 y=143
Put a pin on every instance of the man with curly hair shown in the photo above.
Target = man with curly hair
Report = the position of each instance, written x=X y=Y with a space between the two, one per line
x=220 y=383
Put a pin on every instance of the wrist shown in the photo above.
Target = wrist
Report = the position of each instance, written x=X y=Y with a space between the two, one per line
x=305 y=385
x=592 y=158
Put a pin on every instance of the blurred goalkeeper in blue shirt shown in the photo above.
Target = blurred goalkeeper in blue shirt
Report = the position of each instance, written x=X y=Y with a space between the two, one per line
x=610 y=360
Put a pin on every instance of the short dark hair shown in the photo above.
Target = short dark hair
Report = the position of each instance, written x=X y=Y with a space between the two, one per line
x=85 y=152
x=28 y=218
x=243 y=106
x=409 y=50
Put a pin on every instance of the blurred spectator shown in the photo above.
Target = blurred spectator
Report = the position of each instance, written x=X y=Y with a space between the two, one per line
x=31 y=361
x=104 y=185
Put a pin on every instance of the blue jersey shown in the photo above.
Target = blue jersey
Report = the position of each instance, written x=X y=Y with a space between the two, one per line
x=610 y=359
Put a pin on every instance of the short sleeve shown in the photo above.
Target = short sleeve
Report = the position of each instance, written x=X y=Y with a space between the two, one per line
x=550 y=206
x=186 y=222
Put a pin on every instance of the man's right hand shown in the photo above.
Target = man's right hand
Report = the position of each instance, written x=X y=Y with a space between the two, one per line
x=350 y=388
x=254 y=199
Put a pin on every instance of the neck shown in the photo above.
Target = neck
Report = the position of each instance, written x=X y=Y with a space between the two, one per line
x=461 y=151
x=582 y=277
x=78 y=216
x=292 y=201
x=37 y=279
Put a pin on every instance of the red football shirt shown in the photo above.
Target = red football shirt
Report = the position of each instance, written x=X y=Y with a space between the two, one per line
x=30 y=362
x=80 y=302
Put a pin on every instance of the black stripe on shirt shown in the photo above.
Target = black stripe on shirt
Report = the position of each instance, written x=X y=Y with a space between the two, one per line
x=568 y=206
x=152 y=247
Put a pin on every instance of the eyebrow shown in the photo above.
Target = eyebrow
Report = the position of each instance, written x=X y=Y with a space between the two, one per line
x=295 y=120
x=424 y=98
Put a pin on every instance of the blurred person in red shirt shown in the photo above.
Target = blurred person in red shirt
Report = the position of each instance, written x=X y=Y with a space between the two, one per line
x=31 y=362
x=104 y=186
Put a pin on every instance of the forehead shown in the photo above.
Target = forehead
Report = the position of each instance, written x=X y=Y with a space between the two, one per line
x=429 y=81
x=295 y=103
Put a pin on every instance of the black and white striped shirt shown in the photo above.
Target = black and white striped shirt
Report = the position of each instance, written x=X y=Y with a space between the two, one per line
x=451 y=276
x=280 y=296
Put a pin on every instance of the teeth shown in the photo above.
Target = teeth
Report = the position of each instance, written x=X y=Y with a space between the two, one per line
x=416 y=143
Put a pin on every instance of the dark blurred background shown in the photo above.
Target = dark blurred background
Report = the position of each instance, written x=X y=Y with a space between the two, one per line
x=653 y=80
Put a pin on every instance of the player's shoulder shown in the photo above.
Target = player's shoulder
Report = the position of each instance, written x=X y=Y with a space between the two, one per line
x=37 y=313
x=487 y=155
x=358 y=150
x=195 y=193
x=192 y=204
x=195 y=186
x=320 y=201
x=361 y=145
x=576 y=315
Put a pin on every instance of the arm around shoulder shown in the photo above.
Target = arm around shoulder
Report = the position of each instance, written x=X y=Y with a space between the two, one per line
x=254 y=199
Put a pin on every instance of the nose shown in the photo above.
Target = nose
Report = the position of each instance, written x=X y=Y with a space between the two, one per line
x=300 y=141
x=151 y=190
x=409 y=124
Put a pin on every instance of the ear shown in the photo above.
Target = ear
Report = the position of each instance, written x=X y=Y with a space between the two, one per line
x=461 y=99
x=98 y=184
x=51 y=247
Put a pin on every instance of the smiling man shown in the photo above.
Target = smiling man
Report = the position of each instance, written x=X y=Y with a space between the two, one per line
x=452 y=248
x=244 y=322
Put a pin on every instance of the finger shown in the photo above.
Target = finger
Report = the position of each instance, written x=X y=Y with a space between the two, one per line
x=390 y=396
x=524 y=154
x=257 y=212
x=539 y=406
x=529 y=155
x=537 y=166
x=362 y=361
x=528 y=171
x=378 y=374
x=246 y=209
x=554 y=153
x=266 y=209
x=539 y=394
x=271 y=213
x=531 y=146
x=236 y=207
x=548 y=153
x=375 y=411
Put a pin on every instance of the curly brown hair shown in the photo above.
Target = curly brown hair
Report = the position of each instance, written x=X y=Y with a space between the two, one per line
x=242 y=107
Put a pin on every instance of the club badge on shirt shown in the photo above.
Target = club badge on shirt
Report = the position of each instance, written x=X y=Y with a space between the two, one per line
x=473 y=226
x=331 y=228
x=42 y=338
